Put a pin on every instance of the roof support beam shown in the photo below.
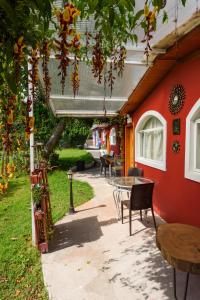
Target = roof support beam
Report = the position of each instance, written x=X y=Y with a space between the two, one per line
x=128 y=62
x=87 y=98
x=83 y=114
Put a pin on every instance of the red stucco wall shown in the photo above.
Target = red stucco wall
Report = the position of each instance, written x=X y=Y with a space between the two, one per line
x=176 y=198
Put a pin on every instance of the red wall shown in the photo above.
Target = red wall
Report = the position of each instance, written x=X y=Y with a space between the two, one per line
x=176 y=198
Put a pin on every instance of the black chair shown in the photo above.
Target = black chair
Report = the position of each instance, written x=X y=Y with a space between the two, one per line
x=141 y=198
x=118 y=166
x=104 y=165
x=132 y=171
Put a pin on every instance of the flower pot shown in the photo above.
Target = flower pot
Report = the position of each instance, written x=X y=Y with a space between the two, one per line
x=36 y=177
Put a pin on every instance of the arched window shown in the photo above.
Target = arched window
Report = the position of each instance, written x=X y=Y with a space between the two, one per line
x=113 y=139
x=150 y=134
x=192 y=143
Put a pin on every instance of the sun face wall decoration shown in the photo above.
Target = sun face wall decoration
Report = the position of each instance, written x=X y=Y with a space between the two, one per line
x=176 y=99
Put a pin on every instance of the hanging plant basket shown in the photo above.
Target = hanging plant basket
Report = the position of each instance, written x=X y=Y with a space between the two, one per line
x=39 y=214
x=36 y=177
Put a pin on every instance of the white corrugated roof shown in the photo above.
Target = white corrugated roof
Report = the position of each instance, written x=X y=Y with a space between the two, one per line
x=90 y=100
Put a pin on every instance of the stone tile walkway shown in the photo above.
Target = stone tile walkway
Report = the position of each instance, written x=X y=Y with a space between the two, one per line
x=92 y=256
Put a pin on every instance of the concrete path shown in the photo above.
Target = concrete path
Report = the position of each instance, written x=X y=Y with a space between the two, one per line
x=92 y=256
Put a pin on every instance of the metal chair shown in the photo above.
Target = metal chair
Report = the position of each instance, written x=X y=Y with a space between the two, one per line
x=137 y=172
x=133 y=171
x=118 y=166
x=141 y=198
x=104 y=165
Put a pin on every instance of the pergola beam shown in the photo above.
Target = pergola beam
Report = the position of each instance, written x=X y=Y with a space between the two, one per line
x=83 y=113
x=127 y=62
x=88 y=98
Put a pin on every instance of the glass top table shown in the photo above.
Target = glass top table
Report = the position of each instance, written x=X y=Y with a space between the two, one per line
x=128 y=182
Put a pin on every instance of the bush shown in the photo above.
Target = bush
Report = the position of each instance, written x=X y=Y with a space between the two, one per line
x=69 y=157
x=54 y=159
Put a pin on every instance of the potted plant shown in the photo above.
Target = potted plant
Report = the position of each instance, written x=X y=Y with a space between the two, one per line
x=37 y=192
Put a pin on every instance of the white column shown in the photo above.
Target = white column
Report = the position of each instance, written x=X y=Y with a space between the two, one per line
x=31 y=161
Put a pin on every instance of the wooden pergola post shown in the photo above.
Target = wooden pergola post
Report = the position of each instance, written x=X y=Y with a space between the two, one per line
x=31 y=160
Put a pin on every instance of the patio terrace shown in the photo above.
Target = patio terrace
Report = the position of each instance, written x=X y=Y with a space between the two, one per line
x=93 y=257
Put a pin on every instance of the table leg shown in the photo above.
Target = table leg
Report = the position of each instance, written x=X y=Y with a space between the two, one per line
x=186 y=285
x=117 y=204
x=110 y=170
x=174 y=273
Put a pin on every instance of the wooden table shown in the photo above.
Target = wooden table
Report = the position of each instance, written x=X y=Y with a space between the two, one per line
x=180 y=246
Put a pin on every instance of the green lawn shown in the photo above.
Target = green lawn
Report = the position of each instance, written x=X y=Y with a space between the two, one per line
x=69 y=157
x=20 y=267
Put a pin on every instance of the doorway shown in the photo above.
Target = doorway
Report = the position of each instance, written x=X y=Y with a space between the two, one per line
x=129 y=147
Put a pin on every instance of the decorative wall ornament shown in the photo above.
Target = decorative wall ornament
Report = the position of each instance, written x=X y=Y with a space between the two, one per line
x=176 y=146
x=164 y=2
x=176 y=99
x=176 y=126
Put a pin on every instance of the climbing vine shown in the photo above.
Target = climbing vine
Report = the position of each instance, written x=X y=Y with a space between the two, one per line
x=26 y=36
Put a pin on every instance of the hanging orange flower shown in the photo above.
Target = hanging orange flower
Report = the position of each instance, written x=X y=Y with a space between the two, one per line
x=10 y=118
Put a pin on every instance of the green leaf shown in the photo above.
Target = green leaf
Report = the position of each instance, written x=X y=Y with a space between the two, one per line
x=135 y=38
x=165 y=17
x=10 y=78
x=183 y=2
x=139 y=14
x=8 y=9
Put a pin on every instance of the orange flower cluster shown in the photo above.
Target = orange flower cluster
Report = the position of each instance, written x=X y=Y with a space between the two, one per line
x=3 y=186
x=34 y=73
x=19 y=54
x=97 y=59
x=121 y=61
x=87 y=42
x=29 y=120
x=6 y=175
x=75 y=75
x=150 y=27
x=8 y=111
x=67 y=15
x=46 y=54
x=111 y=78
x=67 y=18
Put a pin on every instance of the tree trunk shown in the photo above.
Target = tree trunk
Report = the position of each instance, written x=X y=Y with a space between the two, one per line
x=55 y=137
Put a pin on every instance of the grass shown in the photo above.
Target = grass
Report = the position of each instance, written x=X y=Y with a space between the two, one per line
x=59 y=185
x=20 y=267
x=69 y=157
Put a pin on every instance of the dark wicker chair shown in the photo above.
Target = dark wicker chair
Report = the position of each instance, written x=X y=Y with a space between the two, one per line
x=141 y=198
x=132 y=171
x=104 y=165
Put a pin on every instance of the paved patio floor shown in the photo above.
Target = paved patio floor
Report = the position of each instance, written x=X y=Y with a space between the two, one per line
x=92 y=256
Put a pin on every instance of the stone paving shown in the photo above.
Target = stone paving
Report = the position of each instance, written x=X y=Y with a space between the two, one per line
x=92 y=256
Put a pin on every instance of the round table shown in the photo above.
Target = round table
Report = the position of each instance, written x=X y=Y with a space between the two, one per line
x=128 y=182
x=180 y=246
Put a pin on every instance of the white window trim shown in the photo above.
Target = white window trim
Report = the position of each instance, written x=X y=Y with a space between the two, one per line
x=195 y=148
x=190 y=171
x=113 y=137
x=161 y=165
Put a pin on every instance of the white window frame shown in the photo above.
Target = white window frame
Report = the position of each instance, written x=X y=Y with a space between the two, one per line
x=191 y=172
x=161 y=165
x=103 y=135
x=195 y=145
x=113 y=137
